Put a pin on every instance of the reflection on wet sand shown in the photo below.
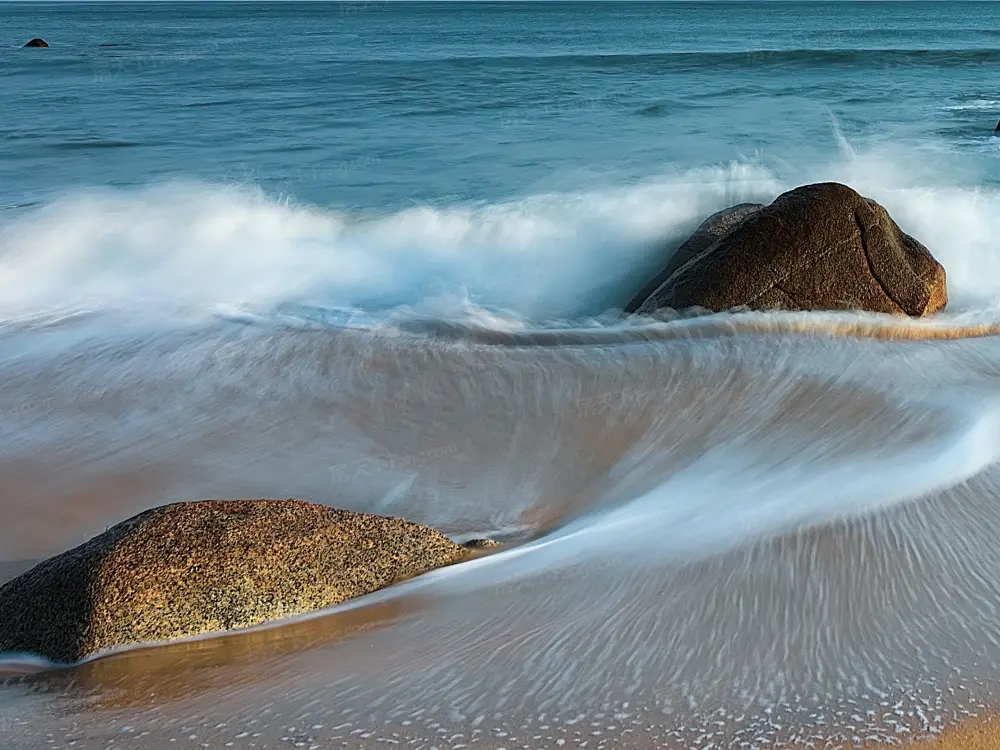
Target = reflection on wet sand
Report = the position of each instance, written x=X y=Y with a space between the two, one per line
x=158 y=675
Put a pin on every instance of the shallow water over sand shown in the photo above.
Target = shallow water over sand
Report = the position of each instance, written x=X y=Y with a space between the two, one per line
x=713 y=539
x=305 y=250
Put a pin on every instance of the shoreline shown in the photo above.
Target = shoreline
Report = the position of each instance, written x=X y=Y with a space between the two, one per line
x=979 y=733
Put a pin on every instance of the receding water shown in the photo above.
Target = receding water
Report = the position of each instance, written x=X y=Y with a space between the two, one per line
x=371 y=254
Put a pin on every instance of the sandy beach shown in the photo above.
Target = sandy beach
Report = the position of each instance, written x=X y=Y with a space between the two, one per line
x=867 y=631
x=384 y=257
x=974 y=735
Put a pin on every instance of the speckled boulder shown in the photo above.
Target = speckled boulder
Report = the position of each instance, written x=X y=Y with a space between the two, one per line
x=199 y=567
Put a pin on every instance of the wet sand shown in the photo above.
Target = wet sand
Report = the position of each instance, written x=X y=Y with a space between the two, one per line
x=781 y=641
x=972 y=734
x=760 y=541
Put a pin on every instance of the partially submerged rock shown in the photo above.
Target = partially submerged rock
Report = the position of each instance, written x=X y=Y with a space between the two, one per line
x=818 y=247
x=199 y=567
x=713 y=229
x=36 y=42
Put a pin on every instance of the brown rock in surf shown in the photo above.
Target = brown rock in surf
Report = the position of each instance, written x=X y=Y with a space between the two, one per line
x=818 y=247
x=36 y=42
x=199 y=567
x=713 y=229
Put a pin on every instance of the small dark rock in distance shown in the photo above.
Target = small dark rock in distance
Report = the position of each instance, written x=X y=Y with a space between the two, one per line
x=36 y=42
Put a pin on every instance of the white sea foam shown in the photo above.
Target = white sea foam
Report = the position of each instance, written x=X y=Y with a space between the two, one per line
x=975 y=105
x=731 y=496
x=559 y=255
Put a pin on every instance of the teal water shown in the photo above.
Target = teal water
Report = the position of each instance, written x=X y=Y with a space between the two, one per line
x=371 y=104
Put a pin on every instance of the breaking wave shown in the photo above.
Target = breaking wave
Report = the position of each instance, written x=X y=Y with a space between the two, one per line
x=549 y=257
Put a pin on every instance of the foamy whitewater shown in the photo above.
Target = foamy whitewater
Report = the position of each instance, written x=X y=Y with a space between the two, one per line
x=385 y=269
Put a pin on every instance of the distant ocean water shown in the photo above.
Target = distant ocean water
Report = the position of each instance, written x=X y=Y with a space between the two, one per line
x=374 y=104
x=241 y=246
x=484 y=132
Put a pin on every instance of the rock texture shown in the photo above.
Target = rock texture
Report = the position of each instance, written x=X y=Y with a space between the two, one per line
x=476 y=544
x=713 y=229
x=36 y=42
x=818 y=247
x=198 y=567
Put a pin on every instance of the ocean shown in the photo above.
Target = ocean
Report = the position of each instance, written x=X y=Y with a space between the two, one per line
x=374 y=254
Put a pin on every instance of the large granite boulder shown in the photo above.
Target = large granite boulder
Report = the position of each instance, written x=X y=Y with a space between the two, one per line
x=198 y=567
x=818 y=247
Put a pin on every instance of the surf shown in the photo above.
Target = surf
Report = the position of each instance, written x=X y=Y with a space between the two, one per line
x=544 y=258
